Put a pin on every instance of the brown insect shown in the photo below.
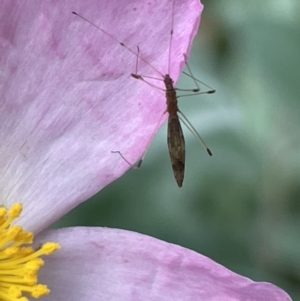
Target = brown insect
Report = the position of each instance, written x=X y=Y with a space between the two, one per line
x=176 y=142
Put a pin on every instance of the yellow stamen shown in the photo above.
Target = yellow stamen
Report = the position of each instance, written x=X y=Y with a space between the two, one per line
x=19 y=264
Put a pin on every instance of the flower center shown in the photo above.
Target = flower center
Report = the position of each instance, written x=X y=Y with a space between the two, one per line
x=19 y=262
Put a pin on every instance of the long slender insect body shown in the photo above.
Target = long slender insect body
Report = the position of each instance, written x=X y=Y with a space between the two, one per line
x=176 y=143
x=175 y=138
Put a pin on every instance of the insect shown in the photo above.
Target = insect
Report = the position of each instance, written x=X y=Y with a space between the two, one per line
x=175 y=138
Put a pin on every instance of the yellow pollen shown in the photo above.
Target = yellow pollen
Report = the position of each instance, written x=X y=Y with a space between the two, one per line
x=20 y=263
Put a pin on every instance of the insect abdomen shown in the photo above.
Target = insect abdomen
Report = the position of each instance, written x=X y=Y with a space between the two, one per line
x=176 y=145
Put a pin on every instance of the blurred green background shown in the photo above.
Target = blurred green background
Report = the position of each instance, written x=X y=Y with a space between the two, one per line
x=240 y=207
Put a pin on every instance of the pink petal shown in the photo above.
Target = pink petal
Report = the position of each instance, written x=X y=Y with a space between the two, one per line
x=109 y=264
x=68 y=100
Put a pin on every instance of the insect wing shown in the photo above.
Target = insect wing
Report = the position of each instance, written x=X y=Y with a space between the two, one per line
x=176 y=147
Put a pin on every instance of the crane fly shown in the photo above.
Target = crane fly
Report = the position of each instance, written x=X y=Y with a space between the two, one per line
x=175 y=138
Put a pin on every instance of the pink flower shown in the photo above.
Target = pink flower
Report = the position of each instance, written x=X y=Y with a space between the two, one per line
x=111 y=264
x=67 y=101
